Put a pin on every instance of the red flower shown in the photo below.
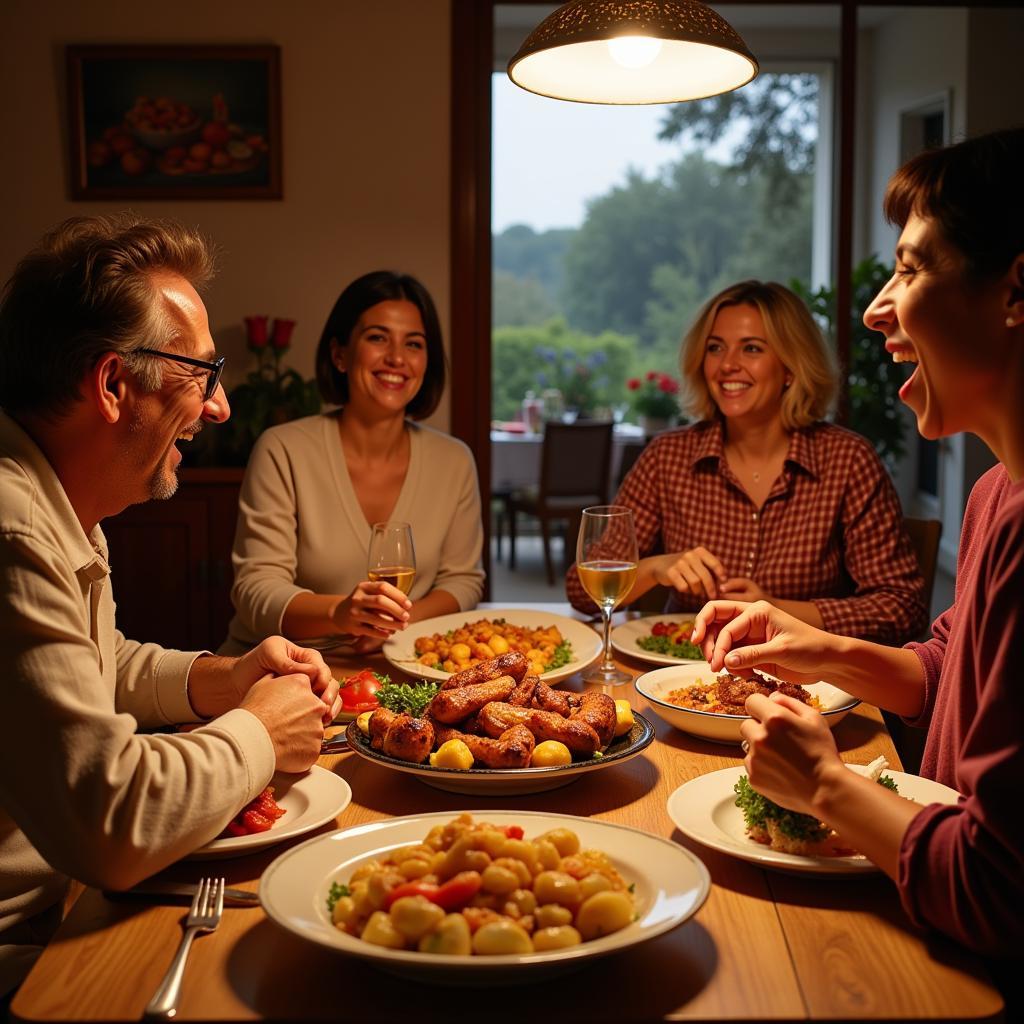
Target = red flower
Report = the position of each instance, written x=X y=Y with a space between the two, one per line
x=256 y=332
x=652 y=375
x=281 y=336
x=667 y=384
x=633 y=383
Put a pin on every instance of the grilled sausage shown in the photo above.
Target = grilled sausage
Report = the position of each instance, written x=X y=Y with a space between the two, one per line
x=551 y=700
x=379 y=722
x=512 y=749
x=409 y=739
x=522 y=695
x=598 y=711
x=512 y=664
x=577 y=735
x=451 y=706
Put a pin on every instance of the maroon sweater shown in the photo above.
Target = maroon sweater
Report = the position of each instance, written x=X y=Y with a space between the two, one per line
x=962 y=868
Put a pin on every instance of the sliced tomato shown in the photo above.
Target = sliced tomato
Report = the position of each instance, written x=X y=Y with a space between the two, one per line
x=662 y=629
x=454 y=894
x=254 y=821
x=358 y=692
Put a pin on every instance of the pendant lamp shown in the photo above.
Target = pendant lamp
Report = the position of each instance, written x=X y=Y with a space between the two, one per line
x=632 y=51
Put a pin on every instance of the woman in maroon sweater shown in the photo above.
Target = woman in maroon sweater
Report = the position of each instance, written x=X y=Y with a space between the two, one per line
x=955 y=308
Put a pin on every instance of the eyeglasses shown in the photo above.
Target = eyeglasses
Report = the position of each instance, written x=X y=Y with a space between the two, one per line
x=216 y=368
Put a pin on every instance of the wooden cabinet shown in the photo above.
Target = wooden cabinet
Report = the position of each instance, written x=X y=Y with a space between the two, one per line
x=171 y=562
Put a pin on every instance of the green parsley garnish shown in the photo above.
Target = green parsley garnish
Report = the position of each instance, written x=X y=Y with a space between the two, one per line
x=336 y=893
x=412 y=698
x=664 y=645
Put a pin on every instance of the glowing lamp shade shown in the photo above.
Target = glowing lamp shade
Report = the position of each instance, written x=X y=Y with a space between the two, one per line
x=632 y=51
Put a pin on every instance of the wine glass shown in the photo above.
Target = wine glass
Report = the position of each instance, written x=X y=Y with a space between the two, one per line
x=391 y=558
x=606 y=560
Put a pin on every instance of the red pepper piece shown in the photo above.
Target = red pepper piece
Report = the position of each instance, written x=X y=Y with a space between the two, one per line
x=256 y=822
x=455 y=893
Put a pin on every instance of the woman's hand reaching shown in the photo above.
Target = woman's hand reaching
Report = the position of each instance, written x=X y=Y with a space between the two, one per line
x=741 y=637
x=790 y=751
x=373 y=609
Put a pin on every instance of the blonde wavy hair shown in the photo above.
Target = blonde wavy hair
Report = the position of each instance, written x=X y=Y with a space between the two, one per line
x=793 y=336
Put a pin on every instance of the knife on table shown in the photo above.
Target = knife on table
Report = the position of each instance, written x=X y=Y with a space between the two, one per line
x=180 y=890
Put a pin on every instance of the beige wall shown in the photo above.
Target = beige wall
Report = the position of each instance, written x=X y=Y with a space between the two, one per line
x=366 y=147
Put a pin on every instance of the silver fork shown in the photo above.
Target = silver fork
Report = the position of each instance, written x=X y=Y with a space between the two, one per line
x=203 y=916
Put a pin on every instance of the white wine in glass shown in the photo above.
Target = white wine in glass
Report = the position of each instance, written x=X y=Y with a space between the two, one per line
x=391 y=558
x=606 y=560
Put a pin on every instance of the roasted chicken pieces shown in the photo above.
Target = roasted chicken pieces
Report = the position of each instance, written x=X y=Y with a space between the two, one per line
x=500 y=713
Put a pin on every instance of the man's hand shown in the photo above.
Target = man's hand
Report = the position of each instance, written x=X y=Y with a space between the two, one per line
x=293 y=717
x=373 y=610
x=280 y=657
x=696 y=572
x=740 y=637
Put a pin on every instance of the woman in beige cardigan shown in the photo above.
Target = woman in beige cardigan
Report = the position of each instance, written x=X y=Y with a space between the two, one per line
x=314 y=486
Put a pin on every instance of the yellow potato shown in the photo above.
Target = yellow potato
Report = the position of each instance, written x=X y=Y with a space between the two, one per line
x=363 y=721
x=461 y=652
x=452 y=754
x=604 y=913
x=624 y=720
x=498 y=644
x=549 y=753
x=497 y=938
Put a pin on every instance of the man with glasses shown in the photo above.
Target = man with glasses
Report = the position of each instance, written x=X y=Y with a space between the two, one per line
x=107 y=366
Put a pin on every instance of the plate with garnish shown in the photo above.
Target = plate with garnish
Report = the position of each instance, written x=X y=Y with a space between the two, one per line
x=555 y=645
x=658 y=639
x=721 y=811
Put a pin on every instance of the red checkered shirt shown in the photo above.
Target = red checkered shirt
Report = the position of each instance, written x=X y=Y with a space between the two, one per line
x=831 y=530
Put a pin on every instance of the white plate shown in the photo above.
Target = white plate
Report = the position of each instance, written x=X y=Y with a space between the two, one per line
x=654 y=686
x=624 y=638
x=509 y=781
x=671 y=885
x=705 y=810
x=311 y=800
x=586 y=644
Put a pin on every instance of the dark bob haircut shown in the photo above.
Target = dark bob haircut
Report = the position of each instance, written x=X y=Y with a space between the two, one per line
x=359 y=296
x=974 y=191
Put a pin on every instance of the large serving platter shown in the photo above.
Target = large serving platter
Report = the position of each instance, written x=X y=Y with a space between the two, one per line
x=310 y=800
x=705 y=810
x=656 y=685
x=671 y=884
x=586 y=644
x=625 y=636
x=508 y=781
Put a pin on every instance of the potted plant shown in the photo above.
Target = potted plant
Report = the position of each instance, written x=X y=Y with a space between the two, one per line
x=655 y=400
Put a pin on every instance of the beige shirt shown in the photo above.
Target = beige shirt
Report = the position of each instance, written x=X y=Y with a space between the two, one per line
x=301 y=528
x=82 y=794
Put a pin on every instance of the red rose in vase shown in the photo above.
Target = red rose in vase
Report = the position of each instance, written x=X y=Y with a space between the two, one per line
x=281 y=336
x=256 y=332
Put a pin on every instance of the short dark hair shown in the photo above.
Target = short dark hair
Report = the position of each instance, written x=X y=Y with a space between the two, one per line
x=359 y=296
x=973 y=191
x=87 y=289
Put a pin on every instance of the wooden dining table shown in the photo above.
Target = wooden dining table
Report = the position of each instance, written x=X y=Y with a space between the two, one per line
x=766 y=945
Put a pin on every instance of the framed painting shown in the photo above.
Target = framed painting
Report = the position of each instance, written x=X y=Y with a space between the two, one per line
x=175 y=122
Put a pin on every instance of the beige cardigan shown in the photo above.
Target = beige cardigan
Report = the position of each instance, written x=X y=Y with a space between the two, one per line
x=300 y=526
x=82 y=794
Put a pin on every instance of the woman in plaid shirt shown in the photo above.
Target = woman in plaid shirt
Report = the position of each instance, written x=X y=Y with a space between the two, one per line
x=761 y=499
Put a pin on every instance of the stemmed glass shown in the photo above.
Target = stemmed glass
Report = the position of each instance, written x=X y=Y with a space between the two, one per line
x=391 y=558
x=606 y=560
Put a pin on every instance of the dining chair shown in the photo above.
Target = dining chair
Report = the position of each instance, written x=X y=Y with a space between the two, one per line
x=925 y=535
x=575 y=464
x=630 y=453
